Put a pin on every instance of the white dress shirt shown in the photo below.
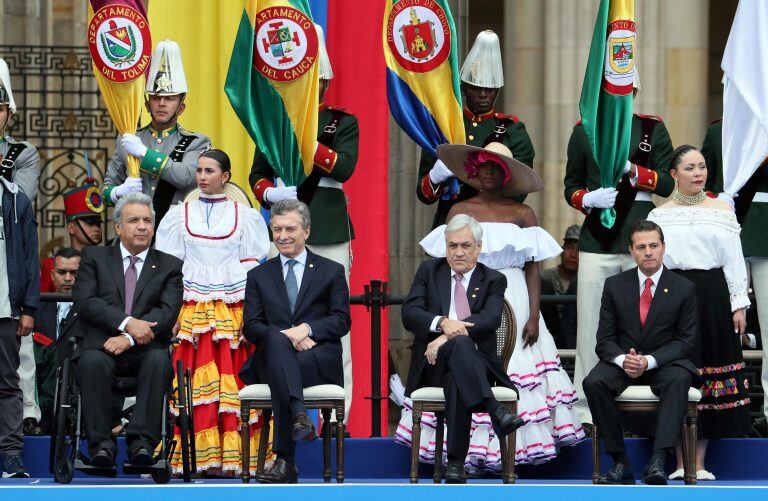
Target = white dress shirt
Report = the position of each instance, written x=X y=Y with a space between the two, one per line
x=139 y=265
x=641 y=277
x=62 y=310
x=452 y=310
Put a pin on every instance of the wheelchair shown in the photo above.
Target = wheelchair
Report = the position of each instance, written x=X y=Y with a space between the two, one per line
x=68 y=432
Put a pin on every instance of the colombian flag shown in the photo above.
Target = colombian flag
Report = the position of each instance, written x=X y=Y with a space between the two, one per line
x=606 y=95
x=121 y=48
x=272 y=83
x=421 y=53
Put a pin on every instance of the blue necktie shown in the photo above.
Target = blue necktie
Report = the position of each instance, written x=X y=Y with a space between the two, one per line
x=291 y=287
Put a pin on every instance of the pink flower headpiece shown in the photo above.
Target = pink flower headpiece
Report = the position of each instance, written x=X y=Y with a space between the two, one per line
x=477 y=158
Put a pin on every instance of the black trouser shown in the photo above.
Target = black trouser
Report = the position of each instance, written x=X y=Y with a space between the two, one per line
x=465 y=384
x=287 y=373
x=96 y=374
x=607 y=381
x=11 y=399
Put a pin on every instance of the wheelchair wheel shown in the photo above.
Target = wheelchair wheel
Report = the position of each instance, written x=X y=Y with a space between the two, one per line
x=163 y=476
x=64 y=471
x=182 y=405
x=63 y=441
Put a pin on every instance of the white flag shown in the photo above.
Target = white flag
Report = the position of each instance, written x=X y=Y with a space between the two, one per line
x=745 y=95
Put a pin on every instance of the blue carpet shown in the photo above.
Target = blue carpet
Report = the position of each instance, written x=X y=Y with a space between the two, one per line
x=382 y=460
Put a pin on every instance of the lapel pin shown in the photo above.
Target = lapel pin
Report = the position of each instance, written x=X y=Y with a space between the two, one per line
x=477 y=288
x=473 y=295
x=666 y=290
x=311 y=265
x=153 y=266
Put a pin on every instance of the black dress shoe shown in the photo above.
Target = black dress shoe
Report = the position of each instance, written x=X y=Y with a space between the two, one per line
x=302 y=428
x=654 y=472
x=504 y=422
x=142 y=456
x=620 y=473
x=281 y=472
x=454 y=472
x=105 y=458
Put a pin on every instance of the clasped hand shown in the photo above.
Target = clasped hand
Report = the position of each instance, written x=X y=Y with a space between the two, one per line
x=433 y=347
x=140 y=330
x=634 y=365
x=453 y=328
x=299 y=337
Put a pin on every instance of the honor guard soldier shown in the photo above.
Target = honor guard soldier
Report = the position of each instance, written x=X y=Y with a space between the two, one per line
x=19 y=160
x=481 y=78
x=323 y=191
x=604 y=252
x=752 y=211
x=168 y=153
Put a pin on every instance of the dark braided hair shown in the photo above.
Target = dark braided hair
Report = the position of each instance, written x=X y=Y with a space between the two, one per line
x=220 y=158
x=679 y=153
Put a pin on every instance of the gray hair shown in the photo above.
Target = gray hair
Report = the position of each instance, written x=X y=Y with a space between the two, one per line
x=283 y=207
x=132 y=198
x=462 y=221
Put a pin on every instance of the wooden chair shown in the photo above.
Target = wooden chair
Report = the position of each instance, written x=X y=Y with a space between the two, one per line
x=431 y=399
x=326 y=397
x=642 y=399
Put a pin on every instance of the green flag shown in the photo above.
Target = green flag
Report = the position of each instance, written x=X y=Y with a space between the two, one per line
x=606 y=95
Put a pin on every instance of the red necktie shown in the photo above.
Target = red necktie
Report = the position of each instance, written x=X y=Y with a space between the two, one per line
x=645 y=301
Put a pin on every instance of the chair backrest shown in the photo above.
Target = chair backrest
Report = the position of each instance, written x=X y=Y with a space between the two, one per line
x=506 y=334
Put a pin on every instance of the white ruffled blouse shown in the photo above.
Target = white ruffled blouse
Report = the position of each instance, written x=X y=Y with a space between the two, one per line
x=697 y=238
x=218 y=242
x=505 y=245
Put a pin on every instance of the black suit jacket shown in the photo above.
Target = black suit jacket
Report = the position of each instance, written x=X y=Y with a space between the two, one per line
x=45 y=324
x=323 y=303
x=430 y=296
x=670 y=329
x=99 y=294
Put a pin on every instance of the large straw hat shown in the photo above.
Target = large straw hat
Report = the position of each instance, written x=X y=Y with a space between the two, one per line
x=231 y=190
x=522 y=179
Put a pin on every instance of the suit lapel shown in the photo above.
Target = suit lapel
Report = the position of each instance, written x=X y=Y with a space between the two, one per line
x=444 y=288
x=475 y=284
x=659 y=298
x=306 y=279
x=117 y=271
x=147 y=273
x=276 y=270
x=633 y=302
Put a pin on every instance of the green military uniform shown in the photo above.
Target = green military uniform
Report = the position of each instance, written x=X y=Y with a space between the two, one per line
x=480 y=130
x=582 y=174
x=606 y=252
x=754 y=237
x=334 y=164
x=20 y=164
x=167 y=169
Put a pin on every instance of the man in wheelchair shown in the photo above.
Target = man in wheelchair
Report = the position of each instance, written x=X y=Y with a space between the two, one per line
x=128 y=298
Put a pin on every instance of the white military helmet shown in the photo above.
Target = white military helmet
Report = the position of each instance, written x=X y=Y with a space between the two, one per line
x=166 y=72
x=482 y=67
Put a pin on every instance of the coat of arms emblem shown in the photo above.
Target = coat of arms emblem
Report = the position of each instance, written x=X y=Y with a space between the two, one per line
x=120 y=43
x=285 y=43
x=418 y=35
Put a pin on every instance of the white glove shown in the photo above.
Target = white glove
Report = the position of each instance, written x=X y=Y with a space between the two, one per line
x=439 y=172
x=131 y=185
x=274 y=195
x=725 y=197
x=601 y=198
x=627 y=167
x=133 y=145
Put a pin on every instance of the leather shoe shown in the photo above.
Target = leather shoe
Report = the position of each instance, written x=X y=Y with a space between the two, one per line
x=281 y=472
x=105 y=458
x=504 y=422
x=302 y=428
x=620 y=473
x=142 y=456
x=454 y=472
x=654 y=472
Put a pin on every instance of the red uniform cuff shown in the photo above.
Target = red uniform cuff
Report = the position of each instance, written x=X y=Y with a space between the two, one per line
x=259 y=188
x=428 y=190
x=577 y=200
x=647 y=179
x=325 y=158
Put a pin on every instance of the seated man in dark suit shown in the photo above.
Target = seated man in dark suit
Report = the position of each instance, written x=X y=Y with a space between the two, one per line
x=455 y=337
x=50 y=323
x=648 y=325
x=128 y=297
x=296 y=312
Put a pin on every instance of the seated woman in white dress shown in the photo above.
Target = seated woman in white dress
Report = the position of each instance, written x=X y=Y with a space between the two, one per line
x=219 y=237
x=513 y=244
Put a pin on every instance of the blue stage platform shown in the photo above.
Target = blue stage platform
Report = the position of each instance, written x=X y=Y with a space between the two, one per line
x=377 y=469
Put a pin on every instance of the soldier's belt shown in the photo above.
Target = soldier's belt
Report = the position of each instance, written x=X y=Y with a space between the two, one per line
x=644 y=196
x=761 y=197
x=327 y=182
